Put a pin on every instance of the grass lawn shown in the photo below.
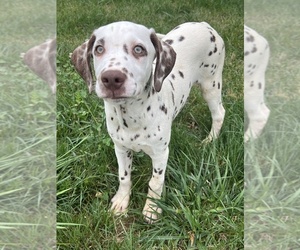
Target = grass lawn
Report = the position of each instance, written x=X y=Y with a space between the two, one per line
x=203 y=198
x=27 y=130
x=272 y=204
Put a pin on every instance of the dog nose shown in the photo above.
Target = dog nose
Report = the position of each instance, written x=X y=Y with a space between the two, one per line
x=113 y=79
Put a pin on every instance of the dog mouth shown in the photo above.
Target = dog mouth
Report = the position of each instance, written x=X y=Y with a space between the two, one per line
x=112 y=97
x=116 y=100
x=117 y=96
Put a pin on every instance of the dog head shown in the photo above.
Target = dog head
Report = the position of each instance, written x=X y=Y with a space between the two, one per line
x=123 y=55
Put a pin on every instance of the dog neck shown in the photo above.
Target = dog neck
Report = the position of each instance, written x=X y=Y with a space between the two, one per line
x=131 y=112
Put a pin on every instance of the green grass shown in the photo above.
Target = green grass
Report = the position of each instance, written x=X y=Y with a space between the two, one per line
x=203 y=198
x=272 y=204
x=27 y=131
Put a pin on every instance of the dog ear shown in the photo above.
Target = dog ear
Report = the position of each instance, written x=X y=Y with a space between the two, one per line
x=41 y=59
x=165 y=60
x=81 y=59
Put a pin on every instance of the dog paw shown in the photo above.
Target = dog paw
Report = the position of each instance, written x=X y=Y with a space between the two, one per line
x=208 y=140
x=151 y=211
x=119 y=203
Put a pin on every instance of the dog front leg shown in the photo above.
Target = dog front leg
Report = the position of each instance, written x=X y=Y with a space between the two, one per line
x=121 y=199
x=159 y=163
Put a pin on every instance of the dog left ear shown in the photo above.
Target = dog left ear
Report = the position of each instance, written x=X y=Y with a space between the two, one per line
x=81 y=59
x=41 y=59
x=165 y=60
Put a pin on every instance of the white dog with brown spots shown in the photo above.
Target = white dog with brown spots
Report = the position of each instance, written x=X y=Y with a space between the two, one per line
x=145 y=82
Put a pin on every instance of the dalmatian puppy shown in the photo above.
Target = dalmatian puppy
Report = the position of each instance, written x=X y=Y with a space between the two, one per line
x=145 y=82
x=256 y=56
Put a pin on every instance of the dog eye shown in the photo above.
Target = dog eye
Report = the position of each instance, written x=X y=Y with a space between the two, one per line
x=99 y=49
x=138 y=49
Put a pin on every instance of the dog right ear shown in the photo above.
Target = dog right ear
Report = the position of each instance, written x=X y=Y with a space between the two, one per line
x=81 y=59
x=165 y=60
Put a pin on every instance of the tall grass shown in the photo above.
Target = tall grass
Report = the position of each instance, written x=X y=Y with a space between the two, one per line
x=27 y=131
x=272 y=204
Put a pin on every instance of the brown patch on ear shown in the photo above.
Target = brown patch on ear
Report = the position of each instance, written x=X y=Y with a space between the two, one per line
x=41 y=60
x=165 y=60
x=81 y=59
